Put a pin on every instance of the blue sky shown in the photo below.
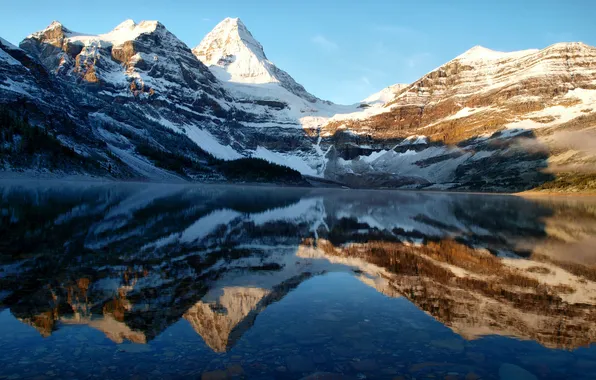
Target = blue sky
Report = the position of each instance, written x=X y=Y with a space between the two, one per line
x=339 y=50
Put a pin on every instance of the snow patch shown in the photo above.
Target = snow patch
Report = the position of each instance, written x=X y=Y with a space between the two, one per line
x=208 y=143
x=286 y=159
x=480 y=53
x=559 y=113
x=126 y=31
x=385 y=95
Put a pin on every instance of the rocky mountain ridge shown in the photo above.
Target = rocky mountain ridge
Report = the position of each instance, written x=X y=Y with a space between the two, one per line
x=484 y=121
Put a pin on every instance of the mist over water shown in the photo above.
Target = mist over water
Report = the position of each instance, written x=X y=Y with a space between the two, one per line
x=169 y=281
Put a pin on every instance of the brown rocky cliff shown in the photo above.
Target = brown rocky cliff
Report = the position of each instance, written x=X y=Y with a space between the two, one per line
x=509 y=88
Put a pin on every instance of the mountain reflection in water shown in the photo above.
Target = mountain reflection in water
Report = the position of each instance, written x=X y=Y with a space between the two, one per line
x=134 y=261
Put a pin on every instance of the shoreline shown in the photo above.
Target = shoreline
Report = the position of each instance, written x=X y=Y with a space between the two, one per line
x=74 y=178
x=531 y=193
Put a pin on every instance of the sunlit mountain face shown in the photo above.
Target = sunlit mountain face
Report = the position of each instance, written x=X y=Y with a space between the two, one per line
x=168 y=281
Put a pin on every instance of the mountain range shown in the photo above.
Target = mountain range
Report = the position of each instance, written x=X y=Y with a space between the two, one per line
x=138 y=103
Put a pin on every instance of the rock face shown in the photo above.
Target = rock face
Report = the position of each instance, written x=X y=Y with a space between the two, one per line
x=142 y=59
x=288 y=118
x=20 y=75
x=486 y=120
x=132 y=78
x=384 y=96
x=471 y=111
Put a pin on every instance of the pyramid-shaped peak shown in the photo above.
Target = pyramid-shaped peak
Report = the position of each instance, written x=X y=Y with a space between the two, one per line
x=55 y=30
x=479 y=49
x=229 y=38
x=54 y=24
x=127 y=24
x=232 y=20
x=234 y=55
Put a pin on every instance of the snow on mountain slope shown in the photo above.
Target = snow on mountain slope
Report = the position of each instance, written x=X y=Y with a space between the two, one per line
x=19 y=74
x=481 y=54
x=125 y=31
x=477 y=110
x=385 y=95
x=238 y=59
x=235 y=56
x=259 y=87
x=138 y=77
x=481 y=78
x=156 y=80
x=373 y=105
x=143 y=59
x=4 y=56
x=139 y=84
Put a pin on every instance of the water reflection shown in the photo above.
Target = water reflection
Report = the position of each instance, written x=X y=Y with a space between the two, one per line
x=134 y=261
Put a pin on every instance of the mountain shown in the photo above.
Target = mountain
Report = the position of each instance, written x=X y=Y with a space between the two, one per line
x=235 y=56
x=384 y=96
x=283 y=106
x=20 y=75
x=136 y=102
x=142 y=69
x=486 y=119
x=132 y=103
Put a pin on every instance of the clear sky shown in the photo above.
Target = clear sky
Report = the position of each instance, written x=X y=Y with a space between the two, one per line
x=340 y=50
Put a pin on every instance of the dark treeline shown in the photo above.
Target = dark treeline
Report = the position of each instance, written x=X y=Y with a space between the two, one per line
x=25 y=145
x=259 y=170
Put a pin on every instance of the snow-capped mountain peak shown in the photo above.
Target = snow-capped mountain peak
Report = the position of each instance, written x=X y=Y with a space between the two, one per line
x=385 y=95
x=231 y=46
x=54 y=32
x=229 y=38
x=53 y=25
x=134 y=59
x=129 y=30
x=126 y=24
x=234 y=55
x=125 y=31
x=482 y=54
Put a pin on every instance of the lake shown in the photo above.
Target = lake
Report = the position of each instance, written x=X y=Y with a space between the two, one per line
x=122 y=281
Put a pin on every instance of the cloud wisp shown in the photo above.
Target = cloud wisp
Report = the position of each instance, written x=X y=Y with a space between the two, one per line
x=324 y=43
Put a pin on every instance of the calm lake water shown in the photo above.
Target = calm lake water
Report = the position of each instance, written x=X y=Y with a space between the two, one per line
x=123 y=281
